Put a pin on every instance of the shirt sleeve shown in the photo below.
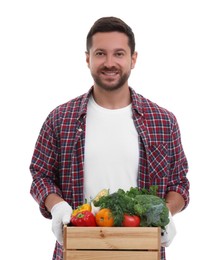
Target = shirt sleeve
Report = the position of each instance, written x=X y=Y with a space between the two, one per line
x=44 y=166
x=178 y=181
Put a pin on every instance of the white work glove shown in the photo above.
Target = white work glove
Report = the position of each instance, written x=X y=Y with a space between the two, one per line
x=169 y=233
x=61 y=214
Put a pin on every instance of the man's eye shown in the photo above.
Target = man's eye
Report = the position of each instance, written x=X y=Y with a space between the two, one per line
x=99 y=53
x=119 y=54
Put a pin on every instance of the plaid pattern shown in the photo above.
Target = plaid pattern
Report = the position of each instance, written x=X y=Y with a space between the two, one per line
x=57 y=162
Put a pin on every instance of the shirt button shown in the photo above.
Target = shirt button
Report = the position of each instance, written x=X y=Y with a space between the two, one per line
x=80 y=129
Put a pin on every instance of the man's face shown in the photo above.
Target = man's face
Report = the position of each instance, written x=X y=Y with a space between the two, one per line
x=110 y=60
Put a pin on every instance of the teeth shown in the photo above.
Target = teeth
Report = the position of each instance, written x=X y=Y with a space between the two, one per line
x=110 y=73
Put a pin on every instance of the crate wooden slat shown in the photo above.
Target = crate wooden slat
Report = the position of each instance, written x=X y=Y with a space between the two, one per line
x=108 y=255
x=93 y=243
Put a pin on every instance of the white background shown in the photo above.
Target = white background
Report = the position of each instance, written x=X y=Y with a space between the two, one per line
x=42 y=64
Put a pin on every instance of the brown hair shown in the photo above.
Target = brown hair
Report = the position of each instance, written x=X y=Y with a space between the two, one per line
x=111 y=24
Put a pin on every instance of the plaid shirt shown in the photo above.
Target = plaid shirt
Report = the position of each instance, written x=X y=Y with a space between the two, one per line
x=58 y=159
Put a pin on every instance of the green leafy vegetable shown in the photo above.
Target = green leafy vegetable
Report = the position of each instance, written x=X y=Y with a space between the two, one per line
x=119 y=203
x=141 y=202
x=152 y=210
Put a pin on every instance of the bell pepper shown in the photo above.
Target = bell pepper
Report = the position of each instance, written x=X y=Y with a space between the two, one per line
x=104 y=218
x=84 y=219
x=83 y=207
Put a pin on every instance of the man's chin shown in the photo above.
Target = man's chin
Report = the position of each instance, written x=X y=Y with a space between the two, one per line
x=111 y=84
x=109 y=87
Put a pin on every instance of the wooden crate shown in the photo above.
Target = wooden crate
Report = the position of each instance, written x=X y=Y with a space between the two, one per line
x=110 y=243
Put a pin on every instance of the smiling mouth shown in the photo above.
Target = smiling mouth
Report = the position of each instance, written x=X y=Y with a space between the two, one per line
x=109 y=73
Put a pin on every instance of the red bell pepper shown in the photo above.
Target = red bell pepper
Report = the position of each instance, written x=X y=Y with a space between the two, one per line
x=84 y=219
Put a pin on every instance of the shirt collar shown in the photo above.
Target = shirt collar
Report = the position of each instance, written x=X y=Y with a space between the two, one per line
x=136 y=102
x=84 y=103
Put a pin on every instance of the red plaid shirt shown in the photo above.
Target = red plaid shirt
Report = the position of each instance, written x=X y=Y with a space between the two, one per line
x=58 y=159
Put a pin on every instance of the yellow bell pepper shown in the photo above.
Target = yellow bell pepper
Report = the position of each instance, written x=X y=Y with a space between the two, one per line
x=81 y=208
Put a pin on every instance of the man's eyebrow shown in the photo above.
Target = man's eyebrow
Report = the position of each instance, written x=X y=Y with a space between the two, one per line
x=104 y=50
x=120 y=49
x=99 y=49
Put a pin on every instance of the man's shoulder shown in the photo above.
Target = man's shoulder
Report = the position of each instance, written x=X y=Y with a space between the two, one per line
x=72 y=103
x=152 y=107
x=73 y=107
x=149 y=108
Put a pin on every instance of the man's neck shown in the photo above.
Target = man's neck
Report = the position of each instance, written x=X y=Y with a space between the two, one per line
x=114 y=99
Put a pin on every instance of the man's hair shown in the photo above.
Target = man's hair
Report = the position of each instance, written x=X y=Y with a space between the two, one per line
x=111 y=24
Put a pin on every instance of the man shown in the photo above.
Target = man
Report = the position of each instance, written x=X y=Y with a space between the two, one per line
x=110 y=137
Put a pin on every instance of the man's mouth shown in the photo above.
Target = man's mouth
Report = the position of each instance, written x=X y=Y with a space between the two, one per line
x=109 y=72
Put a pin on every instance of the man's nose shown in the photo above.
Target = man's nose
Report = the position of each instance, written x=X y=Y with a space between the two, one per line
x=109 y=61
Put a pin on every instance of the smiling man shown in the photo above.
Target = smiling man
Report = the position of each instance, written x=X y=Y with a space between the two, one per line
x=110 y=61
x=111 y=137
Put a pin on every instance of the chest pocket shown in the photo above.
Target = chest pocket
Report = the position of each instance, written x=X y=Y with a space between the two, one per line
x=158 y=160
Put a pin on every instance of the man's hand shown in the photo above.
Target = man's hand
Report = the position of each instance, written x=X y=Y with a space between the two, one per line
x=61 y=214
x=169 y=233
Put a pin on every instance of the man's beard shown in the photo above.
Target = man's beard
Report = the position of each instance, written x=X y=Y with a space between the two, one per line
x=111 y=86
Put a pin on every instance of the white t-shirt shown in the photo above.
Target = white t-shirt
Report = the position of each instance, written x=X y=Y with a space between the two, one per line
x=111 y=150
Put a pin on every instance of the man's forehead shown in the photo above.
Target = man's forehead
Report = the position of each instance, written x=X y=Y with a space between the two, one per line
x=110 y=40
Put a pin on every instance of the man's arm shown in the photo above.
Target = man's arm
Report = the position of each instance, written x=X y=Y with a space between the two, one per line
x=51 y=200
x=175 y=202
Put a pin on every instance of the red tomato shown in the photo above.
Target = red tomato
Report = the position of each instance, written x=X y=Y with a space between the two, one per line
x=131 y=221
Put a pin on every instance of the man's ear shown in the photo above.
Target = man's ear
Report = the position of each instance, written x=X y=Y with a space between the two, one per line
x=134 y=58
x=87 y=58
